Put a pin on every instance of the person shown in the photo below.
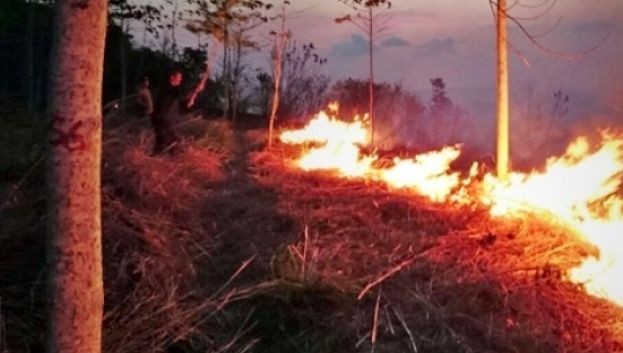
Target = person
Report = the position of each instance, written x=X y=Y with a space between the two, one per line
x=170 y=104
x=144 y=102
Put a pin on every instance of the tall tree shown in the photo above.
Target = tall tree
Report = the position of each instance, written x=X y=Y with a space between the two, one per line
x=502 y=150
x=217 y=18
x=279 y=47
x=501 y=11
x=75 y=288
x=371 y=22
x=121 y=13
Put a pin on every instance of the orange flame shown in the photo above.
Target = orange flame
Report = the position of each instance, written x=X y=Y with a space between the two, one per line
x=579 y=187
x=339 y=149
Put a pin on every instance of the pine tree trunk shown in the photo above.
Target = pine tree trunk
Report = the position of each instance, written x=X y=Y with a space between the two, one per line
x=502 y=92
x=75 y=288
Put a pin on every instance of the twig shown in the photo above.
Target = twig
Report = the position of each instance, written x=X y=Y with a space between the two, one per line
x=389 y=273
x=244 y=265
x=403 y=322
x=306 y=232
x=375 y=320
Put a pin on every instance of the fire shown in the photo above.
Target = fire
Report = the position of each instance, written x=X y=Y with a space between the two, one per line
x=338 y=147
x=427 y=173
x=580 y=188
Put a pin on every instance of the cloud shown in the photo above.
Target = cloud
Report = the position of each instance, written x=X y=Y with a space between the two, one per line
x=598 y=26
x=393 y=42
x=437 y=47
x=354 y=46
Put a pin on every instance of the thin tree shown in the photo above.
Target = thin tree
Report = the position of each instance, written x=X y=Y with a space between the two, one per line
x=501 y=11
x=279 y=47
x=502 y=150
x=216 y=18
x=123 y=12
x=74 y=253
x=373 y=23
x=242 y=43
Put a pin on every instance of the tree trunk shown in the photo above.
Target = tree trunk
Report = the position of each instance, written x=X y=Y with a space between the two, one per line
x=236 y=77
x=173 y=36
x=278 y=66
x=30 y=57
x=123 y=66
x=74 y=259
x=371 y=83
x=502 y=92
x=226 y=63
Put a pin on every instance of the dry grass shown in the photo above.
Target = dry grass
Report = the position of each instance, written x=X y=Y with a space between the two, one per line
x=221 y=249
x=449 y=278
x=156 y=245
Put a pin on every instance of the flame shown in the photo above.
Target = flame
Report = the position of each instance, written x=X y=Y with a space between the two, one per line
x=339 y=148
x=580 y=188
x=427 y=173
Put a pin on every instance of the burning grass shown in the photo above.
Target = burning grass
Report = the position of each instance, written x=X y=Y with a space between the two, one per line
x=435 y=277
x=218 y=248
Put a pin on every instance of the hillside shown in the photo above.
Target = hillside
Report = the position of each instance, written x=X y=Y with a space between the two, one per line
x=224 y=247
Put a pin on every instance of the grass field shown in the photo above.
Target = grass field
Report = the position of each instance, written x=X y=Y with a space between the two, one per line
x=224 y=247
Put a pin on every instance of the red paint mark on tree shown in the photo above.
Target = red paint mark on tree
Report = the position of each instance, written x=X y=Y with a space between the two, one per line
x=69 y=138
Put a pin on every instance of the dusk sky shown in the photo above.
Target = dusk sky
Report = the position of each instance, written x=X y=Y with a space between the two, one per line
x=455 y=40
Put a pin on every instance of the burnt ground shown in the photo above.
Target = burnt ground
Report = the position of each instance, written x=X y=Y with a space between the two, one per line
x=228 y=248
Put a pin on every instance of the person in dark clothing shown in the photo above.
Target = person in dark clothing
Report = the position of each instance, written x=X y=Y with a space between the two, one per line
x=144 y=102
x=171 y=103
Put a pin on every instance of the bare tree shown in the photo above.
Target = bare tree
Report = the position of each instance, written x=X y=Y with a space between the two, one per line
x=303 y=83
x=218 y=18
x=122 y=12
x=501 y=11
x=242 y=43
x=279 y=47
x=370 y=19
x=74 y=253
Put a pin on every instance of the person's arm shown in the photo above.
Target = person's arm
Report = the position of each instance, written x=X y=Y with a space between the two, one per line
x=199 y=88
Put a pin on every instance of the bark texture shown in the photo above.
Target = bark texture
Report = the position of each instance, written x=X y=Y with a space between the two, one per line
x=74 y=253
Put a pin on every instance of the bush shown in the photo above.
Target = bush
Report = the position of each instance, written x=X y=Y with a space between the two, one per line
x=396 y=110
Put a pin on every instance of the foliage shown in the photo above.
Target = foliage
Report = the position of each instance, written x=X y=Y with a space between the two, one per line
x=369 y=3
x=541 y=127
x=398 y=111
x=444 y=122
x=228 y=21
x=440 y=103
x=303 y=83
x=25 y=43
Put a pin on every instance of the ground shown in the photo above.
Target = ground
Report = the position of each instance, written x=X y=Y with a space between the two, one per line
x=225 y=247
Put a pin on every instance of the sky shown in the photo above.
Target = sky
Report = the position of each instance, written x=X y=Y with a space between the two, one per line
x=455 y=40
